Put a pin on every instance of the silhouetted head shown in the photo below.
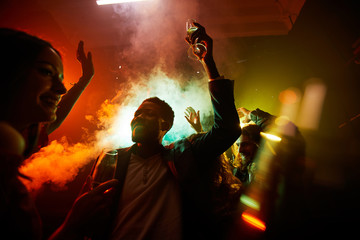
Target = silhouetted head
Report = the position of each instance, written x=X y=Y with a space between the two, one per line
x=152 y=120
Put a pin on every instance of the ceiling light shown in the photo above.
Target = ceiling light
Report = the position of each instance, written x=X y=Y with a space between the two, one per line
x=106 y=2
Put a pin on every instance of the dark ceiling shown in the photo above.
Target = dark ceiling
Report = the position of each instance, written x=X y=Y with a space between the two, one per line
x=69 y=19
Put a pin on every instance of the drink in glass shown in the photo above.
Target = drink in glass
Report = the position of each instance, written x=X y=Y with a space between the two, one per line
x=105 y=167
x=197 y=50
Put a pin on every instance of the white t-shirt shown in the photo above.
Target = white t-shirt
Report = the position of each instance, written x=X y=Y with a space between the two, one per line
x=150 y=206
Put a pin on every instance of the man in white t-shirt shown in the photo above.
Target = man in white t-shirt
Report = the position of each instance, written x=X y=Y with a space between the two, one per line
x=154 y=179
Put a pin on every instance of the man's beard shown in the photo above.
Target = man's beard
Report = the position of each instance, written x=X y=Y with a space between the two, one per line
x=141 y=135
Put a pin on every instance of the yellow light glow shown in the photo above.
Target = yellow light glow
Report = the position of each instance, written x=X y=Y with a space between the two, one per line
x=282 y=121
x=106 y=2
x=254 y=221
x=248 y=201
x=312 y=104
x=270 y=137
x=244 y=124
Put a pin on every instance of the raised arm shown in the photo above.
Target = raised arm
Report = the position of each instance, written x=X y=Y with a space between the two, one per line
x=69 y=99
x=226 y=128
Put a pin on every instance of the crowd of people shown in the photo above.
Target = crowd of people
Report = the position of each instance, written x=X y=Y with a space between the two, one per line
x=191 y=189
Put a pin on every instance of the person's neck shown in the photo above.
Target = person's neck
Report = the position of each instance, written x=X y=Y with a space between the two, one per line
x=146 y=150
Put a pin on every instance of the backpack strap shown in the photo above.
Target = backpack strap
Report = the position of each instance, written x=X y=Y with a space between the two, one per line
x=172 y=167
x=122 y=165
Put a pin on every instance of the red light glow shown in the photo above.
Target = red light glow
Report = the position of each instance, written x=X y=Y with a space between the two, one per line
x=253 y=221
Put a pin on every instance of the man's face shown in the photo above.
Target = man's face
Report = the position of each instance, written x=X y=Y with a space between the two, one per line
x=247 y=149
x=146 y=124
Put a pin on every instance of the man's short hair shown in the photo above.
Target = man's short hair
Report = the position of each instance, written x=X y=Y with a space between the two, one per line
x=165 y=110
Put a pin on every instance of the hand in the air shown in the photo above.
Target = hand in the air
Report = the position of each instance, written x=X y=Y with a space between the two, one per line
x=86 y=64
x=193 y=118
x=245 y=114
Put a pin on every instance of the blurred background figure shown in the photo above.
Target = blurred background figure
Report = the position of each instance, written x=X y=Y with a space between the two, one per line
x=249 y=143
x=273 y=202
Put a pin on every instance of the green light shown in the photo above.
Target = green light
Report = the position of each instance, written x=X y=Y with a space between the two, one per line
x=248 y=201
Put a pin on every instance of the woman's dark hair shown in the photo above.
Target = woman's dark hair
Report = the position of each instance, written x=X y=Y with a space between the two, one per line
x=217 y=179
x=166 y=111
x=18 y=50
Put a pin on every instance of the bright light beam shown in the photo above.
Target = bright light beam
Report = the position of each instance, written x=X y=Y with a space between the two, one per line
x=270 y=137
x=253 y=221
x=106 y=2
x=248 y=201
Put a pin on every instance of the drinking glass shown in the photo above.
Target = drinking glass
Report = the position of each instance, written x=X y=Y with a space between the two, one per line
x=104 y=168
x=197 y=50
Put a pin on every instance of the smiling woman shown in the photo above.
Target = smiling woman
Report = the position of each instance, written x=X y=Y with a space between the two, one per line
x=31 y=88
x=31 y=80
x=44 y=85
x=32 y=74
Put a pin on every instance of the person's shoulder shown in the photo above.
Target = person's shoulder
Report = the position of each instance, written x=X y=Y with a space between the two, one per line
x=125 y=149
x=178 y=144
x=11 y=140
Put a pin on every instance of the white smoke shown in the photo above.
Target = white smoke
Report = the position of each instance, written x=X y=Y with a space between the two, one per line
x=116 y=128
x=153 y=33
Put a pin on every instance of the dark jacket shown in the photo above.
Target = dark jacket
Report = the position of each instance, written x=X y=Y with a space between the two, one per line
x=187 y=159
